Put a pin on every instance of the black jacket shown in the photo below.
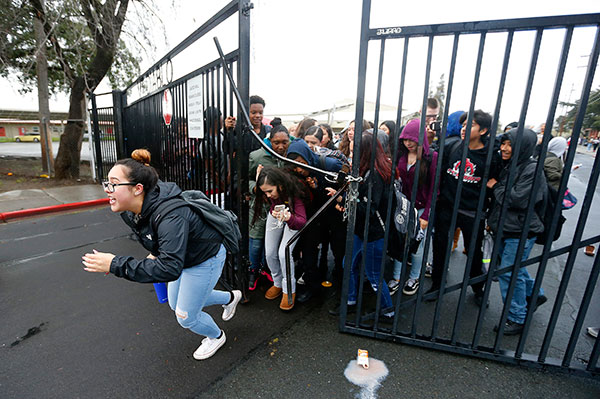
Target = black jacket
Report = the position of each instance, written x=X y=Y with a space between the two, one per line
x=518 y=200
x=182 y=240
x=379 y=203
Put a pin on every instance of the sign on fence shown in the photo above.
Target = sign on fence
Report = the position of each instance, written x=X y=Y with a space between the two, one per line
x=195 y=108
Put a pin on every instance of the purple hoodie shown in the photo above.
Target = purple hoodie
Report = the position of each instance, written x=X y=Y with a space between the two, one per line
x=425 y=193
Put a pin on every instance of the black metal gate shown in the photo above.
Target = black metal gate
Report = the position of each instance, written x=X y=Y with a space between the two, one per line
x=451 y=323
x=185 y=131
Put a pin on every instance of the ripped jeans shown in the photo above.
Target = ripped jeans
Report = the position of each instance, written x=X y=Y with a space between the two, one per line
x=373 y=258
x=195 y=289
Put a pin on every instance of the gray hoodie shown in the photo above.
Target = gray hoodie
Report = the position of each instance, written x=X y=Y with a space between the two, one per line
x=520 y=192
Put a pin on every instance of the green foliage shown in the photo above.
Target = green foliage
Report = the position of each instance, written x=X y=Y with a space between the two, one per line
x=71 y=29
x=591 y=119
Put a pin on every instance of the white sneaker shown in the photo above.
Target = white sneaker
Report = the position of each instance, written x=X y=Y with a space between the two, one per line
x=209 y=347
x=229 y=310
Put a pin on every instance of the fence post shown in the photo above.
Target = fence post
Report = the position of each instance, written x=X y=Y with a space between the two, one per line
x=96 y=136
x=243 y=78
x=117 y=97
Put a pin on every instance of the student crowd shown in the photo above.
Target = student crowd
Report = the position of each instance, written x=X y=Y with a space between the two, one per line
x=284 y=197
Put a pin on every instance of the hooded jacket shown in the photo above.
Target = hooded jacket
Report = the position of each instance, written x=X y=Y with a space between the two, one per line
x=454 y=126
x=319 y=195
x=425 y=192
x=553 y=164
x=520 y=191
x=299 y=147
x=182 y=240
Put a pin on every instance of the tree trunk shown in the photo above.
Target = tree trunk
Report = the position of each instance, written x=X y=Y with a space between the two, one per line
x=44 y=108
x=69 y=152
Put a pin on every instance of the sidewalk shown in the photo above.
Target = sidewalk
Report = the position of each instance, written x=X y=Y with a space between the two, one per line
x=53 y=199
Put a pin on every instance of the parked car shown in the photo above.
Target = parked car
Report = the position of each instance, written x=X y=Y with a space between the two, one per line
x=28 y=137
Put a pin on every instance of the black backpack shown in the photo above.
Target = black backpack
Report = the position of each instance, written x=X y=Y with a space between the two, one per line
x=225 y=222
x=549 y=204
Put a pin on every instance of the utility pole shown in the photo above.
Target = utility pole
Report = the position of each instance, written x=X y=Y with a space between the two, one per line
x=44 y=107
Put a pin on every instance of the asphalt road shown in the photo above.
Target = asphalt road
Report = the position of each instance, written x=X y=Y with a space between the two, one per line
x=35 y=150
x=68 y=333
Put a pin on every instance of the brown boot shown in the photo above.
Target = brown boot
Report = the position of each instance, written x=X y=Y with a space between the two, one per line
x=456 y=237
x=284 y=302
x=273 y=292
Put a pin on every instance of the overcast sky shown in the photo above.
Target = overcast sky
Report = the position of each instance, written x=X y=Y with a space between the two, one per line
x=304 y=54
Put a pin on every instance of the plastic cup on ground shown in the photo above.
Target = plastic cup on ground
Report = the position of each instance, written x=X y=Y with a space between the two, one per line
x=161 y=292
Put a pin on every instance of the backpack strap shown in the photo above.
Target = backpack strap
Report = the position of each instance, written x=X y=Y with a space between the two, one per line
x=163 y=210
x=322 y=162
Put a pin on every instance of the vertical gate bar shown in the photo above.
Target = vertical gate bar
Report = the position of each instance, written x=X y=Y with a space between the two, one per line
x=475 y=232
x=547 y=136
x=465 y=149
x=488 y=283
x=243 y=69
x=203 y=142
x=210 y=157
x=181 y=135
x=229 y=137
x=510 y=181
x=395 y=142
x=90 y=140
x=97 y=138
x=221 y=170
x=585 y=94
x=436 y=184
x=421 y=140
x=594 y=357
x=360 y=95
x=581 y=312
x=390 y=192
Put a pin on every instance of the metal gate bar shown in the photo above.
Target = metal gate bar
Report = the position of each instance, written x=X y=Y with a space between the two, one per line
x=453 y=343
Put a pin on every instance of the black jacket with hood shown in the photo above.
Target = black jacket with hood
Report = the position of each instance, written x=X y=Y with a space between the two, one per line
x=182 y=240
x=520 y=192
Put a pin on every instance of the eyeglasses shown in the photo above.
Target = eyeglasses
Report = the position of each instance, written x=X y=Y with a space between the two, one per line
x=110 y=187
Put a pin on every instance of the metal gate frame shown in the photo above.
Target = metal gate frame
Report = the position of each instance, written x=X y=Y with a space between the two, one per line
x=139 y=125
x=475 y=348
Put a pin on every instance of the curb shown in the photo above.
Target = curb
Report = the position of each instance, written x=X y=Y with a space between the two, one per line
x=49 y=209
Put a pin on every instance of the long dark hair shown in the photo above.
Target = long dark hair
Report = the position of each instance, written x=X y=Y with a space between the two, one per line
x=288 y=188
x=383 y=165
x=425 y=162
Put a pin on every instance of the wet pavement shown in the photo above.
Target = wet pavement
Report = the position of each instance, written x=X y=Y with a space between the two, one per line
x=68 y=333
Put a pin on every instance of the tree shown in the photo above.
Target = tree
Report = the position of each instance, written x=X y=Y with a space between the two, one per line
x=440 y=94
x=591 y=119
x=83 y=42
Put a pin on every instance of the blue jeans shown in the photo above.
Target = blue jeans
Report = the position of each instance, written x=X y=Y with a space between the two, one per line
x=194 y=290
x=524 y=285
x=416 y=259
x=373 y=259
x=256 y=253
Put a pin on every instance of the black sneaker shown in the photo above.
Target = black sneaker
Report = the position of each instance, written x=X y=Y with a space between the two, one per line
x=541 y=299
x=511 y=328
x=411 y=286
x=393 y=286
